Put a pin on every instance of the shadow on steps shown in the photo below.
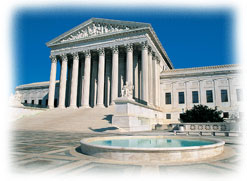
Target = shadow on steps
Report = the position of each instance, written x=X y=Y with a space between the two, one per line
x=103 y=129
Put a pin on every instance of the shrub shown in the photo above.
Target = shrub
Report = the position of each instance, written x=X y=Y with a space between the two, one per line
x=201 y=114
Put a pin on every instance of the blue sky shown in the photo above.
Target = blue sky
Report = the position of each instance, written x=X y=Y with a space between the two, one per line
x=191 y=37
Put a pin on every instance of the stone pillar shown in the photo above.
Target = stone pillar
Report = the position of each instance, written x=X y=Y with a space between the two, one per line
x=144 y=88
x=74 y=84
x=158 y=81
x=52 y=85
x=114 y=87
x=86 y=85
x=129 y=64
x=150 y=76
x=62 y=86
x=136 y=88
x=155 y=91
x=101 y=77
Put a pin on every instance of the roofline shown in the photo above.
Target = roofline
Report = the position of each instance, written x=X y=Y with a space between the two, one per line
x=201 y=68
x=147 y=26
x=89 y=21
x=35 y=84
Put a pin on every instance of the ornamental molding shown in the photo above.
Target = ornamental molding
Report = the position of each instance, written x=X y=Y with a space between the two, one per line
x=53 y=59
x=108 y=44
x=87 y=53
x=99 y=29
x=95 y=29
x=75 y=55
x=101 y=51
x=64 y=57
x=115 y=49
x=129 y=47
x=144 y=45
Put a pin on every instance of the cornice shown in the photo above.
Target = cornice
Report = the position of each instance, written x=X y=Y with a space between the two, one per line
x=35 y=85
x=139 y=28
x=201 y=71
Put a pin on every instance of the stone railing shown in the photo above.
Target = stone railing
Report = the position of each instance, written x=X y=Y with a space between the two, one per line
x=200 y=128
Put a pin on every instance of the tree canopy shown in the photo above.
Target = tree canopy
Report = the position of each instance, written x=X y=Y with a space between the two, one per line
x=201 y=114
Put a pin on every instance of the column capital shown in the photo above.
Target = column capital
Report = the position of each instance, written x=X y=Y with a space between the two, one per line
x=75 y=55
x=129 y=47
x=153 y=55
x=101 y=51
x=53 y=58
x=144 y=45
x=115 y=49
x=64 y=57
x=87 y=53
x=150 y=50
x=157 y=60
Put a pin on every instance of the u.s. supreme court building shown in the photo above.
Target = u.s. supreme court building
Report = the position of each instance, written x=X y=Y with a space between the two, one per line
x=100 y=56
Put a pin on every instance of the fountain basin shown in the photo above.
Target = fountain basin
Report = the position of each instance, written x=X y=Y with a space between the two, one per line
x=152 y=148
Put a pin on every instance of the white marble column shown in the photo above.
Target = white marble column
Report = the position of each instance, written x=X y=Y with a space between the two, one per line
x=136 y=87
x=114 y=87
x=101 y=77
x=129 y=64
x=52 y=85
x=74 y=83
x=158 y=82
x=155 y=91
x=86 y=85
x=150 y=76
x=144 y=72
x=62 y=86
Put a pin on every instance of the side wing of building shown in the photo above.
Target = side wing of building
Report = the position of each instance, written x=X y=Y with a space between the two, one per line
x=214 y=86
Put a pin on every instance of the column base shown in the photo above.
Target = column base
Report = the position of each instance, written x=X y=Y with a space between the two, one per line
x=61 y=107
x=100 y=106
x=72 y=107
x=84 y=107
x=50 y=107
x=112 y=104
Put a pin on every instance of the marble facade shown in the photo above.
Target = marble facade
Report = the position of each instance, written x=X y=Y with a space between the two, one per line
x=106 y=54
x=98 y=57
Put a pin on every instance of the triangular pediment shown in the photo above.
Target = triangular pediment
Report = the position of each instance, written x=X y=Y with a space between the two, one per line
x=96 y=27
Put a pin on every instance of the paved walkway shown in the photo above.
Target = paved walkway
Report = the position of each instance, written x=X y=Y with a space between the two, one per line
x=59 y=153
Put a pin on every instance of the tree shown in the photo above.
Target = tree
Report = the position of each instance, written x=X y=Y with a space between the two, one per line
x=201 y=114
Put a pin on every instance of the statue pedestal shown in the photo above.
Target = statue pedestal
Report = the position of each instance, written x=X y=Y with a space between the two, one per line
x=132 y=116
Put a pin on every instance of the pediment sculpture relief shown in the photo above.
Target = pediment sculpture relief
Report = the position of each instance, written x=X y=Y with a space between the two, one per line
x=93 y=30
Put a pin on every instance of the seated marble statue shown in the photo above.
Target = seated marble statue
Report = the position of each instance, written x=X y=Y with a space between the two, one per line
x=127 y=91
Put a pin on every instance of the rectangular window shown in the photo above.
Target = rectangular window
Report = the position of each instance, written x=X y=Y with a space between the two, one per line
x=209 y=94
x=168 y=116
x=195 y=97
x=46 y=102
x=181 y=97
x=224 y=97
x=25 y=102
x=40 y=102
x=239 y=94
x=168 y=98
x=32 y=101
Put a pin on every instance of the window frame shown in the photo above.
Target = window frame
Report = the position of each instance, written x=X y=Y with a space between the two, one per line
x=168 y=98
x=211 y=95
x=197 y=97
x=224 y=95
x=181 y=101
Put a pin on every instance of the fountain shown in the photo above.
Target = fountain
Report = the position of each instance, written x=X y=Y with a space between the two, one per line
x=168 y=149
